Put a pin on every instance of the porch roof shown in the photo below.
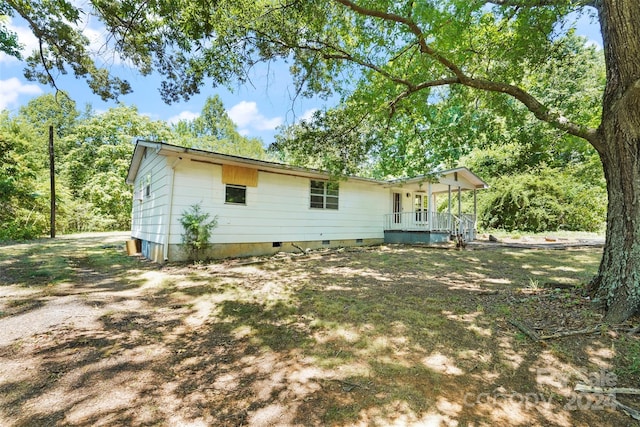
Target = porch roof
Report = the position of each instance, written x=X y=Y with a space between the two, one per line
x=440 y=181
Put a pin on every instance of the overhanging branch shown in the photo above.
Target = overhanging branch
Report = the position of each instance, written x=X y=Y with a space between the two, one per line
x=541 y=111
x=415 y=88
x=541 y=3
x=538 y=109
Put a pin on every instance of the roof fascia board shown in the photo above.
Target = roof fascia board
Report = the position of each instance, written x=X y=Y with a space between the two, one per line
x=227 y=159
x=474 y=182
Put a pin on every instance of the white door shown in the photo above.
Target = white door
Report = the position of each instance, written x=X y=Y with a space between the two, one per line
x=420 y=202
x=397 y=208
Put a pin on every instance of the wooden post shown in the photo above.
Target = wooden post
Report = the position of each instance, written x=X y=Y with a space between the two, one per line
x=52 y=176
x=430 y=206
x=459 y=210
x=449 y=212
x=475 y=212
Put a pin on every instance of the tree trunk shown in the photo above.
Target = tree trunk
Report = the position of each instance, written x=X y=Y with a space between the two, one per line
x=617 y=285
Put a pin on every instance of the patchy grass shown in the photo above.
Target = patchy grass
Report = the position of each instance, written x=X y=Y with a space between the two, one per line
x=368 y=336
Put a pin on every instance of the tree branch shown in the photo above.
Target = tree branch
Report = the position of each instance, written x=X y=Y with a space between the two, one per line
x=540 y=3
x=413 y=27
x=415 y=88
x=536 y=107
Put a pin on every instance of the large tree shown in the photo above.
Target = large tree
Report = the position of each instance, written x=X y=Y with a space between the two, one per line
x=414 y=46
x=94 y=170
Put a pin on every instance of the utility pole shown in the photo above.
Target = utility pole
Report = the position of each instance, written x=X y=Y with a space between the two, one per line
x=52 y=175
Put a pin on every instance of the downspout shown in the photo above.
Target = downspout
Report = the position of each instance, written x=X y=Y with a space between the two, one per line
x=167 y=240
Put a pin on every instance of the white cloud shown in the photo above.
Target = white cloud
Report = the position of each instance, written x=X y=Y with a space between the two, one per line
x=246 y=115
x=593 y=43
x=26 y=38
x=185 y=115
x=12 y=88
x=98 y=45
x=243 y=113
x=308 y=115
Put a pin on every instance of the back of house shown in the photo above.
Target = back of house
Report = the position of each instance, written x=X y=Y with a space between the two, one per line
x=265 y=207
x=260 y=207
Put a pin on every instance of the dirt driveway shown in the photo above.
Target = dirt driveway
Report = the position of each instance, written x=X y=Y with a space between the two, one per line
x=370 y=336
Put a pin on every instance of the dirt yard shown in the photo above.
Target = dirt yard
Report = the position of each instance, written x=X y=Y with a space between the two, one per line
x=385 y=336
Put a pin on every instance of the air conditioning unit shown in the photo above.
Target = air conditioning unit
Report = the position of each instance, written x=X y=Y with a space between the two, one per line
x=138 y=195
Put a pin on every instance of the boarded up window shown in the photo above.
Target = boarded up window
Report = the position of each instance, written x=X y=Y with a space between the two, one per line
x=237 y=175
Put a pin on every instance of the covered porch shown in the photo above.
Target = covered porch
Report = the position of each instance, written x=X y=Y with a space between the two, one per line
x=414 y=215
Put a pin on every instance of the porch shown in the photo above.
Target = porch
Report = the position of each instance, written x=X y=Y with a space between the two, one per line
x=415 y=213
x=424 y=226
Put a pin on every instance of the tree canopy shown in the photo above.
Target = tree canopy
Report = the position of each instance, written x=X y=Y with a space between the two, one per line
x=214 y=130
x=415 y=49
x=93 y=151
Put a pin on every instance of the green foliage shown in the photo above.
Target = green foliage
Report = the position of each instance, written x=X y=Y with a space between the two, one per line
x=197 y=231
x=335 y=140
x=213 y=130
x=95 y=168
x=92 y=159
x=22 y=205
x=92 y=154
x=546 y=201
x=9 y=43
x=59 y=27
x=434 y=127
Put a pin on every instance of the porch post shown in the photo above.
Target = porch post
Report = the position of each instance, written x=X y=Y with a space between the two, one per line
x=434 y=215
x=475 y=212
x=450 y=226
x=430 y=206
x=459 y=210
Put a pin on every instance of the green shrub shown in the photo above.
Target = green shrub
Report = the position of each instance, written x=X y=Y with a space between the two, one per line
x=549 y=200
x=197 y=231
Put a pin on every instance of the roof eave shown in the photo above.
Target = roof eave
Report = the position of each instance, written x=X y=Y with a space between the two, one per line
x=219 y=158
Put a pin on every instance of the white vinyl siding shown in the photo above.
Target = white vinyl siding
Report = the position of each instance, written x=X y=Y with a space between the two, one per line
x=149 y=212
x=279 y=208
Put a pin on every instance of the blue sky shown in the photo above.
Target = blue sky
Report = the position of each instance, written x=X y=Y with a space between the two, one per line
x=257 y=108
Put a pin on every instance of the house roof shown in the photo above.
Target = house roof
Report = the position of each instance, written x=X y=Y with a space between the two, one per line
x=223 y=159
x=444 y=177
x=457 y=177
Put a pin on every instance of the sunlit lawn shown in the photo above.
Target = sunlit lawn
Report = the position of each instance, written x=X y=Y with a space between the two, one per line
x=370 y=336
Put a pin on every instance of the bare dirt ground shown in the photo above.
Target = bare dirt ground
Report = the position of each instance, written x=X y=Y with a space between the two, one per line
x=389 y=335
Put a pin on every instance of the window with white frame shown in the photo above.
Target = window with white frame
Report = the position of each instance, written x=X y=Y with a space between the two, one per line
x=324 y=195
x=147 y=186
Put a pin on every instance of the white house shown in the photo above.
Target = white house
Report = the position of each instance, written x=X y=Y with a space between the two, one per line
x=265 y=207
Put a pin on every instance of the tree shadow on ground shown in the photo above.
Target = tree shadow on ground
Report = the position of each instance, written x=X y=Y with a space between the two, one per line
x=371 y=337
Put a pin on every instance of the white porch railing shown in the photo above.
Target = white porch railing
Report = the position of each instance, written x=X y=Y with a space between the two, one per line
x=418 y=221
x=465 y=225
x=431 y=221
